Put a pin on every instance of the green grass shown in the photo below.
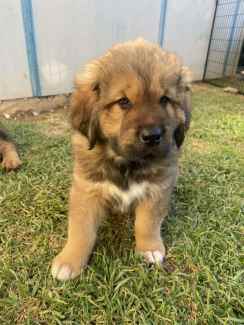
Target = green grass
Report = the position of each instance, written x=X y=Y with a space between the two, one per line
x=202 y=279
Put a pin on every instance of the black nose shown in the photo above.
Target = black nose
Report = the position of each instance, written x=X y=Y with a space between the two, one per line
x=151 y=135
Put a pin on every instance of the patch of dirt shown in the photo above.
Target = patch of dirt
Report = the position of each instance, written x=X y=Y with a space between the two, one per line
x=201 y=146
x=196 y=86
x=57 y=122
x=32 y=107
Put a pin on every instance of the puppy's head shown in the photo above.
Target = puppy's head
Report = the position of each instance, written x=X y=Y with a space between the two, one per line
x=135 y=99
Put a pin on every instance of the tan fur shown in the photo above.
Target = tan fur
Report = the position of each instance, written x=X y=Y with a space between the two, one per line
x=111 y=168
x=8 y=153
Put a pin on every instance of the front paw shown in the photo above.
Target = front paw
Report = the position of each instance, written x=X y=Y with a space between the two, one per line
x=152 y=257
x=152 y=254
x=11 y=162
x=65 y=267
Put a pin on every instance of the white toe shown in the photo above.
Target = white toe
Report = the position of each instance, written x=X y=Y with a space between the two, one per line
x=62 y=272
x=158 y=257
x=148 y=257
x=153 y=257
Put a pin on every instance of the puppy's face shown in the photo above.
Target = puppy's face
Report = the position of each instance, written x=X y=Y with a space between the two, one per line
x=136 y=100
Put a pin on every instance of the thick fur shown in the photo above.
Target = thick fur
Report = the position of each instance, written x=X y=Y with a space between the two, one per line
x=8 y=154
x=112 y=168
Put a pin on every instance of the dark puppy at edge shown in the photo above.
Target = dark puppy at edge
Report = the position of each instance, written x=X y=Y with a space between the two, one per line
x=129 y=113
x=8 y=153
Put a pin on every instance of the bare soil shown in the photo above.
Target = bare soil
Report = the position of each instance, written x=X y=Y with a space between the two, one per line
x=32 y=107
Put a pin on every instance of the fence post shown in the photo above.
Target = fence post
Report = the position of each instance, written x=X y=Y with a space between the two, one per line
x=162 y=22
x=30 y=42
x=210 y=40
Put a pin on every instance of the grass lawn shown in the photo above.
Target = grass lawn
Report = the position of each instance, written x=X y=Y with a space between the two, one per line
x=202 y=279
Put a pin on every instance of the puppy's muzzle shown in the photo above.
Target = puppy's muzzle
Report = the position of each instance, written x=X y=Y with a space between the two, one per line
x=151 y=136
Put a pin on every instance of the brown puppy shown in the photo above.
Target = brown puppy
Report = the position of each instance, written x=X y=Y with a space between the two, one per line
x=129 y=113
x=8 y=153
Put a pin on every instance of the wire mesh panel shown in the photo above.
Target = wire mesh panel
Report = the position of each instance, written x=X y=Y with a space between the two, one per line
x=226 y=39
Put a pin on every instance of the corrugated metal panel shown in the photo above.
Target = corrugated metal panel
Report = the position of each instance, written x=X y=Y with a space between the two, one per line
x=69 y=33
x=45 y=42
x=14 y=77
x=187 y=31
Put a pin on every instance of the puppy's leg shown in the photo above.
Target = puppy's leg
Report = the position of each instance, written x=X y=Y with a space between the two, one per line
x=84 y=218
x=149 y=216
x=10 y=158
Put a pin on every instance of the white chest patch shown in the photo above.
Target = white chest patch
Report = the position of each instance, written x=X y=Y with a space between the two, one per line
x=135 y=191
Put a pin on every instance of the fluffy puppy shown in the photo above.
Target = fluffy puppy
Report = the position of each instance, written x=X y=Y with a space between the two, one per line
x=8 y=154
x=129 y=113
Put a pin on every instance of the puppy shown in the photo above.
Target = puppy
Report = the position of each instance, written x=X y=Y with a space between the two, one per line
x=8 y=153
x=129 y=113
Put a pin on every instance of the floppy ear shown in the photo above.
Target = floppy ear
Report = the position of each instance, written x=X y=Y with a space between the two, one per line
x=185 y=88
x=179 y=135
x=83 y=108
x=185 y=84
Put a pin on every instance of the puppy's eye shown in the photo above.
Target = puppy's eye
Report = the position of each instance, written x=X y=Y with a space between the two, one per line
x=164 y=100
x=124 y=102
